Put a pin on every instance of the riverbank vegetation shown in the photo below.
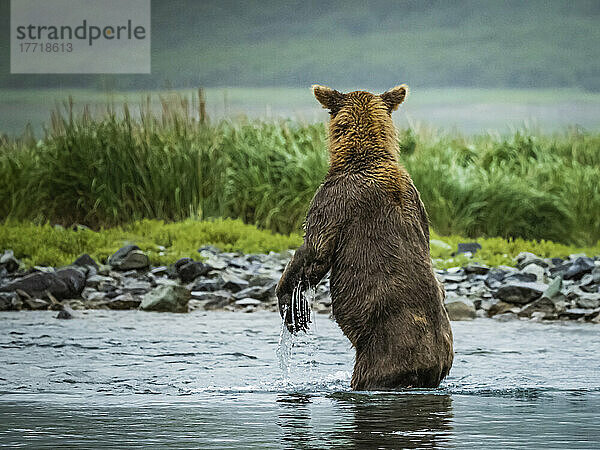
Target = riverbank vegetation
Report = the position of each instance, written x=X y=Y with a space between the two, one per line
x=123 y=174
x=120 y=167
x=165 y=243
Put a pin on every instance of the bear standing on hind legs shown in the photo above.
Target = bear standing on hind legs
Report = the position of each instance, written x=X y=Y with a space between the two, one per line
x=367 y=224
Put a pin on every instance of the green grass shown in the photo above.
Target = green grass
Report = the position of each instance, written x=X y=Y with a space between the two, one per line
x=498 y=251
x=165 y=243
x=48 y=245
x=109 y=170
x=525 y=185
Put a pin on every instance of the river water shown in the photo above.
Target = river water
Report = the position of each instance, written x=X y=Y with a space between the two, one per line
x=215 y=380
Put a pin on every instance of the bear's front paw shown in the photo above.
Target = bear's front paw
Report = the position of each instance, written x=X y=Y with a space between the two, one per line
x=285 y=310
x=295 y=310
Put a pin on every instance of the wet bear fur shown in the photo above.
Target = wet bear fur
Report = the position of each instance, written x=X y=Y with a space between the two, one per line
x=367 y=224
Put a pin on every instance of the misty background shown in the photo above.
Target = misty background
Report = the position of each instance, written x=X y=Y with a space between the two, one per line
x=258 y=57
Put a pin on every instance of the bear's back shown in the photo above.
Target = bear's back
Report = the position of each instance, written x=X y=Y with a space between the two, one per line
x=382 y=254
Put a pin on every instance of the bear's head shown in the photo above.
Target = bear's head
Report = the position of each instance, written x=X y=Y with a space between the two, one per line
x=361 y=122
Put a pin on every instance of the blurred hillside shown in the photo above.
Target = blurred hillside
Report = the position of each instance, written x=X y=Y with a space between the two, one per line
x=427 y=43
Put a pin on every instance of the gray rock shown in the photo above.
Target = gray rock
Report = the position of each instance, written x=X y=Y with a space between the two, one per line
x=478 y=269
x=192 y=270
x=506 y=317
x=112 y=294
x=560 y=302
x=573 y=292
x=10 y=301
x=212 y=259
x=209 y=249
x=535 y=270
x=35 y=303
x=66 y=313
x=127 y=274
x=460 y=309
x=591 y=288
x=495 y=277
x=248 y=302
x=207 y=284
x=544 y=305
x=501 y=307
x=588 y=284
x=573 y=313
x=257 y=292
x=556 y=261
x=485 y=304
x=129 y=257
x=74 y=279
x=74 y=304
x=92 y=295
x=196 y=305
x=586 y=280
x=265 y=279
x=9 y=262
x=526 y=258
x=539 y=316
x=553 y=288
x=160 y=271
x=107 y=288
x=232 y=282
x=521 y=276
x=454 y=278
x=166 y=298
x=123 y=302
x=213 y=300
x=63 y=283
x=104 y=269
x=121 y=253
x=520 y=293
x=580 y=267
x=588 y=301
x=136 y=287
x=182 y=262
x=86 y=260
x=559 y=270
x=241 y=262
x=98 y=281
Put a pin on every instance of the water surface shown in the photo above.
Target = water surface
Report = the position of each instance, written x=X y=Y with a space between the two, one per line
x=137 y=379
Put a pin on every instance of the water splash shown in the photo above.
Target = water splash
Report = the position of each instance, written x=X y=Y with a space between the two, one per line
x=301 y=314
x=309 y=295
x=285 y=348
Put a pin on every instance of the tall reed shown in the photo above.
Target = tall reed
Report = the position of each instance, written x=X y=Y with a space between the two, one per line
x=130 y=163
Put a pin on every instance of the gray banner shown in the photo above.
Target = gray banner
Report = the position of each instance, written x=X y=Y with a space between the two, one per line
x=80 y=36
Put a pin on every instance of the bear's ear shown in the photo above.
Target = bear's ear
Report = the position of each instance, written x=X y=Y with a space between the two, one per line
x=329 y=98
x=394 y=97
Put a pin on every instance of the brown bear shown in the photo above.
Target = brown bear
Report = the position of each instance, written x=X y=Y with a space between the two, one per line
x=367 y=224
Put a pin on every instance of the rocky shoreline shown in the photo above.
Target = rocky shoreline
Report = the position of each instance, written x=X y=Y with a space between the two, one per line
x=540 y=289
